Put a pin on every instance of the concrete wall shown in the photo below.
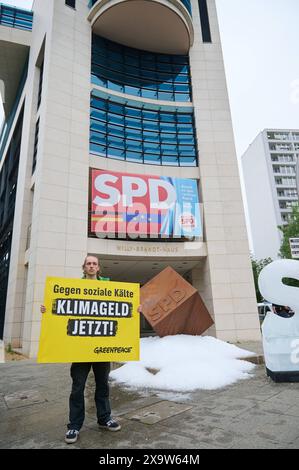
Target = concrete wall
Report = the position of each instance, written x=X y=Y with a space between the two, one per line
x=18 y=321
x=226 y=280
x=261 y=202
x=55 y=199
x=60 y=183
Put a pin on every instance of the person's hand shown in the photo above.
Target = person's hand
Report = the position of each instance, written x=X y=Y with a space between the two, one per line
x=42 y=309
x=139 y=309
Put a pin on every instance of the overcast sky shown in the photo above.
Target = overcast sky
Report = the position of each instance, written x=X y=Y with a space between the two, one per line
x=260 y=41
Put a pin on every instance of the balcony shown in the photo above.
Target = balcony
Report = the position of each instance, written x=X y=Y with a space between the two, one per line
x=160 y=26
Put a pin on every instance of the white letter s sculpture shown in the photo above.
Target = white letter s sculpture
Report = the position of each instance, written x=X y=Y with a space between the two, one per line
x=281 y=335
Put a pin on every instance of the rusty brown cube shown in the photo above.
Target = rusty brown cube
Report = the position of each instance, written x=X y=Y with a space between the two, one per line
x=173 y=306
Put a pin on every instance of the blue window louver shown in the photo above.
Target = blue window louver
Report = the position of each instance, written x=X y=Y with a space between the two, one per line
x=16 y=17
x=142 y=135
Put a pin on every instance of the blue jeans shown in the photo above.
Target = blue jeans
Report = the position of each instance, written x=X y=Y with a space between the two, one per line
x=79 y=373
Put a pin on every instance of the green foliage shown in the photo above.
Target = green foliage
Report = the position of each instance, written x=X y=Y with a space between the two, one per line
x=289 y=231
x=257 y=266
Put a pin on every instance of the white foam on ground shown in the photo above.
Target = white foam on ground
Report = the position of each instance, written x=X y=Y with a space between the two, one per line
x=185 y=363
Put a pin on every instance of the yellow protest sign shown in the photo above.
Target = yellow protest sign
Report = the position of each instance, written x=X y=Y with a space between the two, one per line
x=89 y=321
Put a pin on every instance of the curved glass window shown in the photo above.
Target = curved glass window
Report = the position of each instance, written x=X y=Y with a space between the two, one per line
x=187 y=4
x=142 y=135
x=140 y=73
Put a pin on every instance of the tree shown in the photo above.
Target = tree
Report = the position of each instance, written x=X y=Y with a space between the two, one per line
x=257 y=266
x=291 y=230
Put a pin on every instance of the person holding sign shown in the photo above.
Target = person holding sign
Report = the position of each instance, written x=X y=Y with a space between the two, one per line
x=79 y=374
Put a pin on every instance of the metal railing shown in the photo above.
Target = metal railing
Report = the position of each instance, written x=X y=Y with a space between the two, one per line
x=16 y=17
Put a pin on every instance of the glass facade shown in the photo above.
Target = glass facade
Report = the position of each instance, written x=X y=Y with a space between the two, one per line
x=9 y=122
x=16 y=17
x=142 y=135
x=8 y=190
x=140 y=73
x=187 y=4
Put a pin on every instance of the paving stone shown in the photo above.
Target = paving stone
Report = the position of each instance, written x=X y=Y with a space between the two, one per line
x=255 y=443
x=206 y=427
x=293 y=411
x=122 y=401
x=276 y=427
x=295 y=444
x=136 y=435
x=23 y=398
x=158 y=412
x=14 y=427
x=225 y=407
x=256 y=413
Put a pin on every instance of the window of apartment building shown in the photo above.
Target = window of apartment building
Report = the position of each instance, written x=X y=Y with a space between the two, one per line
x=280 y=146
x=285 y=217
x=291 y=193
x=35 y=146
x=288 y=181
x=282 y=158
x=71 y=3
x=295 y=135
x=287 y=170
x=204 y=21
x=288 y=158
x=287 y=204
x=278 y=135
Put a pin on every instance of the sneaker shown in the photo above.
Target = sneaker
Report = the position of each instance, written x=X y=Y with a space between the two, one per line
x=110 y=425
x=71 y=436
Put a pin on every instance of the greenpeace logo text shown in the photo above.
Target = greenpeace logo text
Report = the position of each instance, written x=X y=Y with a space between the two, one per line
x=117 y=350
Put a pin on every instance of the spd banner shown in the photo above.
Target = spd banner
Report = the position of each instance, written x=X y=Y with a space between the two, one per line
x=89 y=321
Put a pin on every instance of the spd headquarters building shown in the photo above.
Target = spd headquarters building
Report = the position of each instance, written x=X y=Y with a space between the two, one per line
x=118 y=142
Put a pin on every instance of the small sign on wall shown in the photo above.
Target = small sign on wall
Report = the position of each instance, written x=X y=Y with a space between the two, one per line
x=294 y=245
